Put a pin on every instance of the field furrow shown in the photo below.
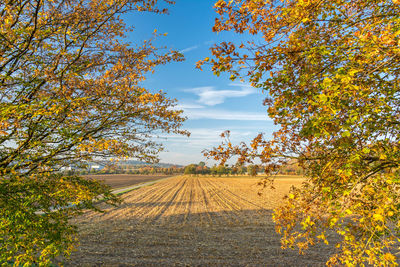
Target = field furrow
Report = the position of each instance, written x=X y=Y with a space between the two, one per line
x=190 y=221
x=203 y=207
x=234 y=195
x=169 y=199
x=144 y=203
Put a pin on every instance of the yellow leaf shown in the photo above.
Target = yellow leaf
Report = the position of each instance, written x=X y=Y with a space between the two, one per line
x=389 y=257
x=378 y=217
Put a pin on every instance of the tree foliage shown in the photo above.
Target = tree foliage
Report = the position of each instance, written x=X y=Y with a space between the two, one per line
x=69 y=91
x=190 y=169
x=331 y=72
x=252 y=170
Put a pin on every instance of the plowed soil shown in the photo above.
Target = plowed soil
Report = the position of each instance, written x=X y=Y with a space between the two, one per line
x=124 y=180
x=191 y=221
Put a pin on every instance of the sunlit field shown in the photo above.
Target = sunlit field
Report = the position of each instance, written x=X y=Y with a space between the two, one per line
x=145 y=90
x=192 y=221
x=125 y=180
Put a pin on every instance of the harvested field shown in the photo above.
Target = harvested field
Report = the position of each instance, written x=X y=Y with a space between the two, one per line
x=124 y=180
x=191 y=221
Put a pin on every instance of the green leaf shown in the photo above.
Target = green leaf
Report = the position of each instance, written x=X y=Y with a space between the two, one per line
x=346 y=133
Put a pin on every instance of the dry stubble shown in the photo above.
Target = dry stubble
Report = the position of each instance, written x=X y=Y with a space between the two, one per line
x=191 y=221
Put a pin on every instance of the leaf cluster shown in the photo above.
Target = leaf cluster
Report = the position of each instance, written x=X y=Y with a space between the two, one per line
x=70 y=91
x=331 y=72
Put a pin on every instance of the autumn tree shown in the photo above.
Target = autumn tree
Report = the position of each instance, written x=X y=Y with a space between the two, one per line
x=234 y=170
x=69 y=91
x=213 y=170
x=190 y=169
x=200 y=169
x=331 y=72
x=242 y=169
x=252 y=170
x=221 y=170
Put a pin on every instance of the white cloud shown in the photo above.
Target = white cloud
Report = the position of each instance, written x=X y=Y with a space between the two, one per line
x=188 y=106
x=205 y=135
x=225 y=115
x=211 y=97
x=185 y=50
x=183 y=150
x=188 y=150
x=197 y=111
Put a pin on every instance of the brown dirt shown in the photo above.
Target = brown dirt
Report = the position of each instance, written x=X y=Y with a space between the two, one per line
x=191 y=221
x=124 y=180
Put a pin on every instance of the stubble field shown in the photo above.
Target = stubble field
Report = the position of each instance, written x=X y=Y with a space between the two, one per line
x=124 y=180
x=191 y=221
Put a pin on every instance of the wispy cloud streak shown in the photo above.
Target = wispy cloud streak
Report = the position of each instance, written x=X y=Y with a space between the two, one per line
x=188 y=49
x=209 y=96
x=225 y=115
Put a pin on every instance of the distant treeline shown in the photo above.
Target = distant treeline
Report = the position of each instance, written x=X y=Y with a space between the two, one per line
x=251 y=169
x=192 y=169
x=128 y=169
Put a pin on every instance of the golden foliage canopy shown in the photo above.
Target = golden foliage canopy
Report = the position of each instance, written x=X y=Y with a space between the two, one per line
x=69 y=91
x=331 y=72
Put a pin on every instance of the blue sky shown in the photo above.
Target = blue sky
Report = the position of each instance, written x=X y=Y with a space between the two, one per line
x=212 y=104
